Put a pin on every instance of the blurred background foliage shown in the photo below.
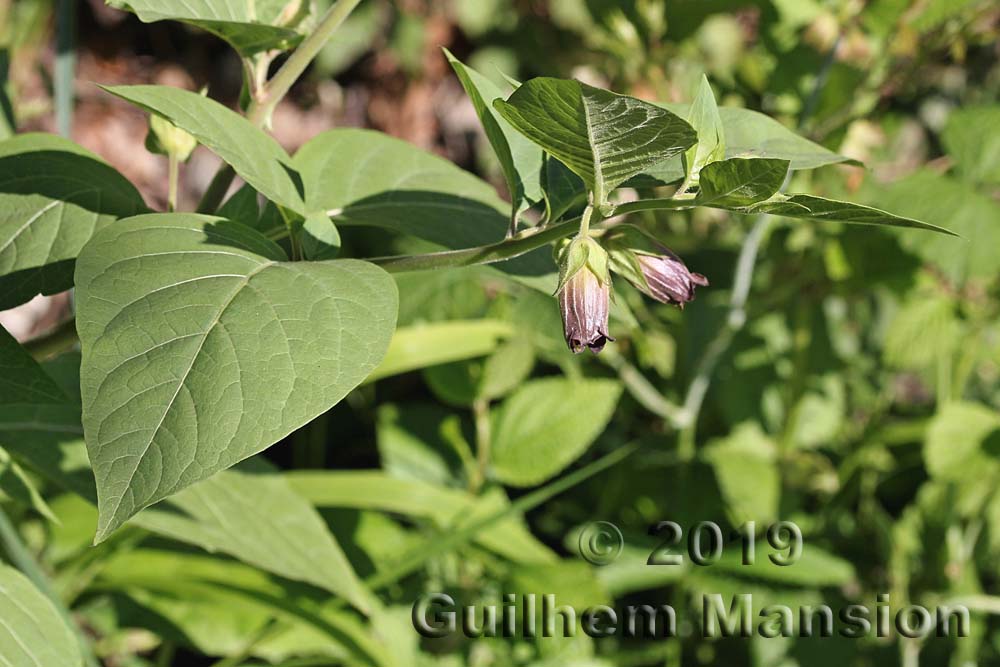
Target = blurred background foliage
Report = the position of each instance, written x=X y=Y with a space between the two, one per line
x=860 y=399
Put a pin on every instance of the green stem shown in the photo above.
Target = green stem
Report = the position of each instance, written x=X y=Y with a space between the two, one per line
x=641 y=389
x=54 y=342
x=165 y=656
x=65 y=65
x=734 y=322
x=737 y=308
x=268 y=97
x=25 y=562
x=800 y=367
x=496 y=252
x=588 y=213
x=263 y=105
x=173 y=166
x=481 y=412
x=64 y=336
x=247 y=651
x=673 y=203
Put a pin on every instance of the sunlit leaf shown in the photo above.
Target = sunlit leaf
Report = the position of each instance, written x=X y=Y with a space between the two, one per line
x=253 y=153
x=202 y=346
x=603 y=137
x=547 y=424
x=32 y=632
x=53 y=196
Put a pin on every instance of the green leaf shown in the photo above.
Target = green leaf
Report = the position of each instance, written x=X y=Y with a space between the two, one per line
x=547 y=424
x=808 y=207
x=753 y=134
x=373 y=490
x=961 y=442
x=925 y=328
x=411 y=445
x=746 y=470
x=507 y=368
x=44 y=431
x=247 y=26
x=202 y=347
x=705 y=119
x=740 y=182
x=19 y=487
x=253 y=153
x=53 y=196
x=198 y=576
x=22 y=380
x=815 y=567
x=944 y=199
x=423 y=345
x=319 y=237
x=972 y=140
x=361 y=177
x=520 y=159
x=250 y=512
x=573 y=583
x=32 y=631
x=602 y=137
x=563 y=189
x=242 y=207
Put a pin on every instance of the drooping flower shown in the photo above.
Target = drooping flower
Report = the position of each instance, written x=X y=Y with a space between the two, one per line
x=584 y=295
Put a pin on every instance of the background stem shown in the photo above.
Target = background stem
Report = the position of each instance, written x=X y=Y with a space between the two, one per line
x=173 y=166
x=481 y=412
x=65 y=65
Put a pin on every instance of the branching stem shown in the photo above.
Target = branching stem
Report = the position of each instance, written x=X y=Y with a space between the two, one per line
x=267 y=98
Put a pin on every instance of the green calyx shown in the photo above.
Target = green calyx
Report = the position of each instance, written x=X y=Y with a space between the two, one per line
x=625 y=243
x=166 y=138
x=578 y=254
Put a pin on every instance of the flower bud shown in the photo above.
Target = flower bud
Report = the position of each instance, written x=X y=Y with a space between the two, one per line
x=668 y=280
x=652 y=267
x=166 y=138
x=584 y=295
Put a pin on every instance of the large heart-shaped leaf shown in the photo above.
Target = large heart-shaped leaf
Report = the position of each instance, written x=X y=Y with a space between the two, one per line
x=32 y=633
x=53 y=196
x=603 y=137
x=360 y=177
x=248 y=512
x=250 y=27
x=520 y=160
x=253 y=153
x=202 y=346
